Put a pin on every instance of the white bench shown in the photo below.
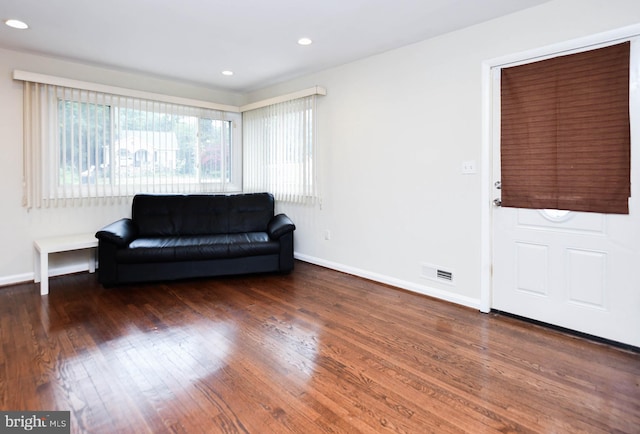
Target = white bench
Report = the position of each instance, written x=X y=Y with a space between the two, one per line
x=65 y=243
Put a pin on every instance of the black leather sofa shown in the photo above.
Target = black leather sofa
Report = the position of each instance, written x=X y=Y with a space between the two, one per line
x=171 y=237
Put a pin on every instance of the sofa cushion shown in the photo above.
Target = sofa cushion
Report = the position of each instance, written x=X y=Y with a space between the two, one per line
x=171 y=215
x=250 y=212
x=167 y=215
x=252 y=244
x=197 y=247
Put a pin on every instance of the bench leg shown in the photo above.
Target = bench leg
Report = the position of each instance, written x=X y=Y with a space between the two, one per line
x=44 y=273
x=92 y=260
x=36 y=266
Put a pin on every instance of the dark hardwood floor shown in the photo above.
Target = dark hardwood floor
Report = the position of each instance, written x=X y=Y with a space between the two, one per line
x=315 y=351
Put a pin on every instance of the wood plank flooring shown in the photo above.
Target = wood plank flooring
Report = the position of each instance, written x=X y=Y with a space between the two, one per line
x=315 y=351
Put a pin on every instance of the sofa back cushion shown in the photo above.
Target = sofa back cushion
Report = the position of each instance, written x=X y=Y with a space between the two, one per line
x=167 y=215
x=250 y=212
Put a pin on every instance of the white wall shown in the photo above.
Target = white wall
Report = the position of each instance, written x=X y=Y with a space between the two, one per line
x=394 y=130
x=18 y=227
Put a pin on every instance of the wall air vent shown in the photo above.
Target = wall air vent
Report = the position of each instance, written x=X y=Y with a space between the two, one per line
x=436 y=273
x=445 y=275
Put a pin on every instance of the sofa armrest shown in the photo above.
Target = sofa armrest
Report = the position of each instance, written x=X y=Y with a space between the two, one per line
x=120 y=233
x=280 y=225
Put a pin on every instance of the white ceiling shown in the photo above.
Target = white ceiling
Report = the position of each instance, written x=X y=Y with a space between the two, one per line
x=194 y=40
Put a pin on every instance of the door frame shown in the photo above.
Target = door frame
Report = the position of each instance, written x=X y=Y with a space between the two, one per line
x=486 y=164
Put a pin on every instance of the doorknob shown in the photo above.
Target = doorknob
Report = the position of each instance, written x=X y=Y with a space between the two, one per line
x=497 y=201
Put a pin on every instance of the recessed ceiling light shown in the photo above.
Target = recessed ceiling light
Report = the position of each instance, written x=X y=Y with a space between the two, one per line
x=17 y=24
x=305 y=41
x=227 y=73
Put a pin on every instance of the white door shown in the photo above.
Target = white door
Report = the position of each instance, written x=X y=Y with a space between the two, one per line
x=576 y=270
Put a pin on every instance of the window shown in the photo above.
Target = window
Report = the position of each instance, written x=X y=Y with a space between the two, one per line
x=82 y=144
x=279 y=150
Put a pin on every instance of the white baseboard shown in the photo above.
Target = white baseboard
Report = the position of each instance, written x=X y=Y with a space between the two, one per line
x=15 y=279
x=402 y=284
x=57 y=271
x=409 y=286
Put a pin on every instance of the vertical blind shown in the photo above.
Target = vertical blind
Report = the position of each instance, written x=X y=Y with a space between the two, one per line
x=565 y=132
x=84 y=146
x=279 y=150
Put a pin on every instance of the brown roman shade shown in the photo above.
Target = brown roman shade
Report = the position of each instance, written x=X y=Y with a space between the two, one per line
x=565 y=132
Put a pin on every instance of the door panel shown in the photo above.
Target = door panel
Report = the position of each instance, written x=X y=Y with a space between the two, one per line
x=572 y=269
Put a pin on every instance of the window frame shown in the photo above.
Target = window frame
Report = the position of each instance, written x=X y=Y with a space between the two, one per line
x=46 y=129
x=35 y=194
